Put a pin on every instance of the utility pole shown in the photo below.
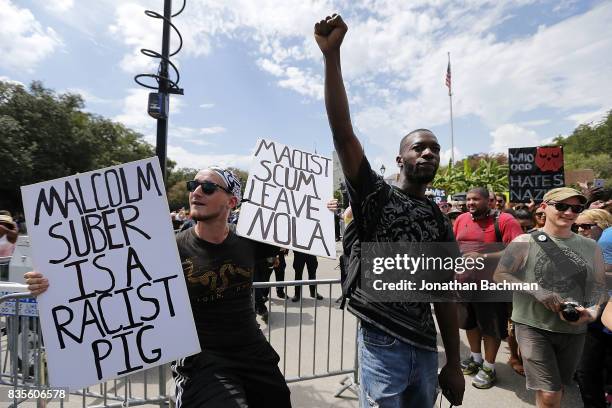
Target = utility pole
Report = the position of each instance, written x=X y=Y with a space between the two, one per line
x=159 y=102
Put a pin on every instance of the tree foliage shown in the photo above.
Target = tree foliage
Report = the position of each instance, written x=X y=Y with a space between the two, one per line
x=590 y=147
x=44 y=136
x=488 y=173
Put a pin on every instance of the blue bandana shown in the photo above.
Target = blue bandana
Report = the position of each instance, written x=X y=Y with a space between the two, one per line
x=231 y=181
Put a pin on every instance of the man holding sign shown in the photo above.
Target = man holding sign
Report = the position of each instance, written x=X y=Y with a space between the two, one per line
x=237 y=366
x=397 y=341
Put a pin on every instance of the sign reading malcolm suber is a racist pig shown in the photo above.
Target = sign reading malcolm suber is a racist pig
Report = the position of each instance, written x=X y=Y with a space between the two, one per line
x=117 y=301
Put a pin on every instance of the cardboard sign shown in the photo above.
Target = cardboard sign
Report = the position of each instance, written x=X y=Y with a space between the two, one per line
x=533 y=171
x=287 y=195
x=117 y=302
x=437 y=194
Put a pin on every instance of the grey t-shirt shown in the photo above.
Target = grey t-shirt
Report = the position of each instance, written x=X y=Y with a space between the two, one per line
x=578 y=284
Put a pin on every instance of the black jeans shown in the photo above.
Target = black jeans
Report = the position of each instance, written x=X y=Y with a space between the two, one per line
x=595 y=364
x=310 y=261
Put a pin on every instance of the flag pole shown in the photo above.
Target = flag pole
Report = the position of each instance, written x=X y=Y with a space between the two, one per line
x=450 y=98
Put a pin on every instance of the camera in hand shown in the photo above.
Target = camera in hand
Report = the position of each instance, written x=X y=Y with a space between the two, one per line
x=569 y=312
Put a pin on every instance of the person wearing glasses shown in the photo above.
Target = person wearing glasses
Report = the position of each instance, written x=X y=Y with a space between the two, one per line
x=591 y=373
x=237 y=366
x=551 y=321
x=539 y=218
x=500 y=202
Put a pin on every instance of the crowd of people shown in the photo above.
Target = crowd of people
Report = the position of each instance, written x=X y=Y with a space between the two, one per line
x=553 y=340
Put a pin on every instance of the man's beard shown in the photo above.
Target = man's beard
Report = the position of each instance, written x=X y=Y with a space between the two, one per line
x=479 y=212
x=207 y=217
x=415 y=175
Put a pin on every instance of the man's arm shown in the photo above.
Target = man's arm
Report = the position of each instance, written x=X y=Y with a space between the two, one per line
x=329 y=34
x=11 y=233
x=606 y=318
x=450 y=378
x=512 y=260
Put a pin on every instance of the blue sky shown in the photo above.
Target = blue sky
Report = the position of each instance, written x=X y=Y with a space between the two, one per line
x=523 y=71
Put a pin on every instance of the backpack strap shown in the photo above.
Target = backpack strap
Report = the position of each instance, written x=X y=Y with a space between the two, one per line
x=498 y=234
x=362 y=235
x=556 y=255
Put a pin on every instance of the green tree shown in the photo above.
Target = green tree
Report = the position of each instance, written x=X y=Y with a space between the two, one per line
x=590 y=147
x=487 y=173
x=44 y=136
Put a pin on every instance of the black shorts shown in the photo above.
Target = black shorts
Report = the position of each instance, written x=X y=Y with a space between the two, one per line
x=239 y=378
x=490 y=317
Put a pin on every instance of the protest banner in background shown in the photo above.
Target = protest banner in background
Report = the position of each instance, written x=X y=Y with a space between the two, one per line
x=117 y=302
x=533 y=171
x=437 y=194
x=286 y=200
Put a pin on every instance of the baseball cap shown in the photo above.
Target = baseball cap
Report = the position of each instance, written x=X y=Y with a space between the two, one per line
x=562 y=193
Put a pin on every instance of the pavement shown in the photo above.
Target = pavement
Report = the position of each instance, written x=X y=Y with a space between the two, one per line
x=509 y=392
x=318 y=340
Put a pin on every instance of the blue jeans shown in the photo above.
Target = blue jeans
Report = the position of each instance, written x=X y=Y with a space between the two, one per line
x=394 y=374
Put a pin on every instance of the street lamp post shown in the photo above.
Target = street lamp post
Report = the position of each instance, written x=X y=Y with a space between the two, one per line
x=382 y=170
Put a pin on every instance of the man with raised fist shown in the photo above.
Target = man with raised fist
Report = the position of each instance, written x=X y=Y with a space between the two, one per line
x=397 y=341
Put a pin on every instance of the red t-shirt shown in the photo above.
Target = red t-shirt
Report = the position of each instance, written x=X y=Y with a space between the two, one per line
x=469 y=233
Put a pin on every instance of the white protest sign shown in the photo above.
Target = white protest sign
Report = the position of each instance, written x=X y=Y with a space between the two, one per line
x=117 y=302
x=287 y=192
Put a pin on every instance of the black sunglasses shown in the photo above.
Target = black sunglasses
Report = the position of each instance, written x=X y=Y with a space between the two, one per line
x=208 y=187
x=576 y=208
x=585 y=226
x=540 y=215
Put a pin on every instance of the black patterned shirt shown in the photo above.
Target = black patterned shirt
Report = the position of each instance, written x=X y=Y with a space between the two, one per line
x=398 y=217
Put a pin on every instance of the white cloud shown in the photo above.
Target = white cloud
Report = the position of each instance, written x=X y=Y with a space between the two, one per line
x=24 y=42
x=394 y=58
x=212 y=130
x=11 y=81
x=588 y=117
x=536 y=122
x=511 y=135
x=207 y=105
x=59 y=6
x=134 y=113
x=88 y=96
x=445 y=156
x=185 y=158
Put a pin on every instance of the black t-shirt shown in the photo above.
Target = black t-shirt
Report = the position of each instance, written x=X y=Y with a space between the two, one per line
x=397 y=217
x=219 y=279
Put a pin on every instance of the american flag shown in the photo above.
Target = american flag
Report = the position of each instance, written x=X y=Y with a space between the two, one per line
x=448 y=77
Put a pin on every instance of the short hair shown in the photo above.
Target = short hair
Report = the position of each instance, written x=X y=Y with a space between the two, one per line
x=602 y=218
x=414 y=132
x=481 y=191
x=522 y=215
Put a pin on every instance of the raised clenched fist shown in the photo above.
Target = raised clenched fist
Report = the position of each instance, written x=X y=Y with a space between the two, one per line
x=329 y=33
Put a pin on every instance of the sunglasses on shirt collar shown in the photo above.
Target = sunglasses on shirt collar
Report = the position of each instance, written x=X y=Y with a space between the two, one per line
x=208 y=187
x=562 y=207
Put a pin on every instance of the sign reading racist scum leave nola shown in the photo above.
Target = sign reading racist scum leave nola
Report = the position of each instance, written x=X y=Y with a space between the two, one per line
x=117 y=302
x=286 y=200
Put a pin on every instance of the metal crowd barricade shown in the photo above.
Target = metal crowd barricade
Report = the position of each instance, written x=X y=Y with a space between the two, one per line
x=330 y=347
x=314 y=339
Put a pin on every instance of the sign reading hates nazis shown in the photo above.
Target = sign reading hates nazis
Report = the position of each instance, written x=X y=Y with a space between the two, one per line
x=533 y=171
x=286 y=200
x=117 y=302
